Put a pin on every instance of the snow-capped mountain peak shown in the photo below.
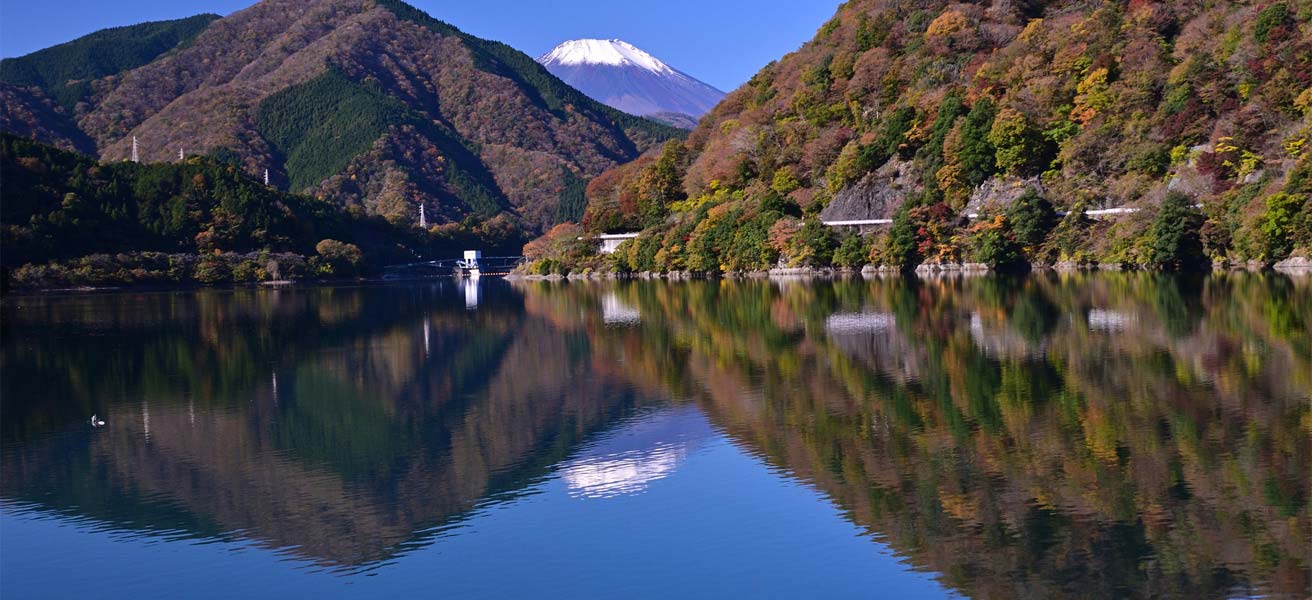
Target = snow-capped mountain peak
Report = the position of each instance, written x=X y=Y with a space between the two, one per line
x=627 y=78
x=615 y=53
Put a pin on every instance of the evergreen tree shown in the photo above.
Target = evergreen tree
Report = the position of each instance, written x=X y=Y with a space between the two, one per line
x=1031 y=218
x=662 y=183
x=1176 y=240
x=852 y=252
x=977 y=152
x=902 y=247
x=968 y=155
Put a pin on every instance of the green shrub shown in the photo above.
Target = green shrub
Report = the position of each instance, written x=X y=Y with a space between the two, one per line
x=1031 y=218
x=852 y=253
x=248 y=271
x=343 y=259
x=902 y=249
x=1276 y=15
x=977 y=154
x=1069 y=240
x=1279 y=225
x=213 y=269
x=1019 y=146
x=815 y=244
x=545 y=267
x=993 y=243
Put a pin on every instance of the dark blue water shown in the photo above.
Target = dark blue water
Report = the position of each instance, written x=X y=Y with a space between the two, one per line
x=1118 y=435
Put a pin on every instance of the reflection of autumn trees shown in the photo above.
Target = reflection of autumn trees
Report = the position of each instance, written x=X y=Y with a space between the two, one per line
x=1075 y=435
x=395 y=412
x=1054 y=435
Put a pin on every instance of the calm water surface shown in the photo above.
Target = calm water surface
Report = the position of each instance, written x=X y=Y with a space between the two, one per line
x=1112 y=435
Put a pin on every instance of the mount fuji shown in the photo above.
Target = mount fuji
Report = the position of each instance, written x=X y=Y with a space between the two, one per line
x=621 y=75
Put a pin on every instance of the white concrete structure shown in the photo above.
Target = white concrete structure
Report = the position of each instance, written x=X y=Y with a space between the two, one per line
x=611 y=242
x=862 y=223
x=470 y=264
x=1105 y=212
x=859 y=323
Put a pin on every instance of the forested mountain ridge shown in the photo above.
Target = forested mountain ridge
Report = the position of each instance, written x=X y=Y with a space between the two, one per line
x=68 y=219
x=40 y=92
x=928 y=111
x=69 y=71
x=463 y=125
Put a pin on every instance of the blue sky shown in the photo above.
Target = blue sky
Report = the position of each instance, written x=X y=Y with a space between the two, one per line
x=723 y=42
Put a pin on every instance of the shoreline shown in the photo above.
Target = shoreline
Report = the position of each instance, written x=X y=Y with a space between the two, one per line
x=1293 y=266
x=1298 y=266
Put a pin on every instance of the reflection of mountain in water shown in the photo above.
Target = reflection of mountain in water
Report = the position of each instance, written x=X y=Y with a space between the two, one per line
x=991 y=431
x=628 y=459
x=393 y=421
x=1108 y=436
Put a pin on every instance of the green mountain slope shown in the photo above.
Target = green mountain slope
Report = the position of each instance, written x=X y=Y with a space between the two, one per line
x=318 y=126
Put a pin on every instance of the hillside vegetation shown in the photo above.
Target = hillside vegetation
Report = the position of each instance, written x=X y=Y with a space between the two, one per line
x=926 y=112
x=318 y=126
x=66 y=72
x=69 y=220
x=363 y=103
x=547 y=89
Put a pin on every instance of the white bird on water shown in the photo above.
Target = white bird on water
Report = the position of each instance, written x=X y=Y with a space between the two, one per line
x=96 y=421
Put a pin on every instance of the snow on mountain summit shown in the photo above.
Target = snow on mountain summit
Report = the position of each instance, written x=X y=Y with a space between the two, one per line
x=625 y=77
x=615 y=53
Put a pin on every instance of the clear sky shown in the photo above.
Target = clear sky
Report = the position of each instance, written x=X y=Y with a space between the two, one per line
x=722 y=42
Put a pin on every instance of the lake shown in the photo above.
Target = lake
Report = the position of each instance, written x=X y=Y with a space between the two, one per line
x=1049 y=436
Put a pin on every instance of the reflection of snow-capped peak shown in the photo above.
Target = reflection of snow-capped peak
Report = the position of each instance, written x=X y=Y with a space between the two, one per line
x=628 y=460
x=621 y=474
x=615 y=53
